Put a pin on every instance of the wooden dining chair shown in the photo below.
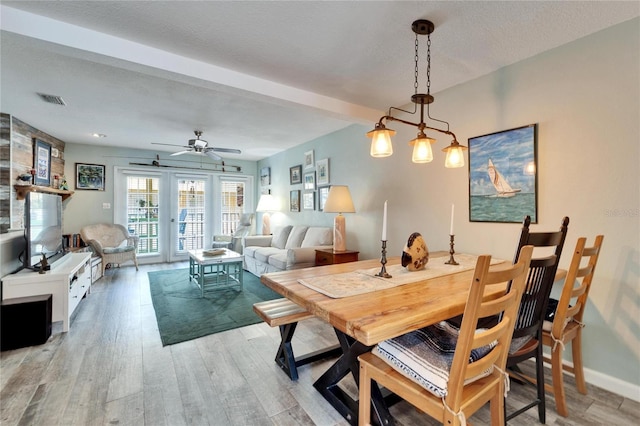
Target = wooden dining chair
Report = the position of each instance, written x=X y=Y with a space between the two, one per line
x=446 y=384
x=527 y=333
x=567 y=321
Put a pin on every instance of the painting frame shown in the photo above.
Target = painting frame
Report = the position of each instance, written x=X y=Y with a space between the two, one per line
x=294 y=200
x=503 y=175
x=295 y=174
x=90 y=177
x=41 y=162
x=309 y=161
x=309 y=200
x=265 y=176
x=323 y=194
x=322 y=172
x=310 y=181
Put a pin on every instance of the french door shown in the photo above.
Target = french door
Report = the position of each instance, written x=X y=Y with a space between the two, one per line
x=173 y=212
x=190 y=223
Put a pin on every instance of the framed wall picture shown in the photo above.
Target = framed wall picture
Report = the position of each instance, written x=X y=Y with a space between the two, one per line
x=309 y=162
x=310 y=181
x=42 y=162
x=503 y=178
x=295 y=174
x=265 y=176
x=323 y=193
x=294 y=200
x=90 y=176
x=322 y=172
x=309 y=200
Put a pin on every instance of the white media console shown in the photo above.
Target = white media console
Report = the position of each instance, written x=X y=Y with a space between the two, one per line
x=68 y=281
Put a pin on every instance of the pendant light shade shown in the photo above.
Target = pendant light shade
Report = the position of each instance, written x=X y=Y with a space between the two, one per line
x=455 y=155
x=381 y=141
x=422 y=152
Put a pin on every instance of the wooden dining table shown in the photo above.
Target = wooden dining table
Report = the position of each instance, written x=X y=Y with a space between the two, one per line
x=363 y=320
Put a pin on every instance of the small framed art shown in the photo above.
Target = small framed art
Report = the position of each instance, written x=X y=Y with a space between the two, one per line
x=265 y=176
x=323 y=193
x=309 y=162
x=322 y=172
x=42 y=162
x=310 y=181
x=295 y=174
x=503 y=179
x=309 y=200
x=90 y=176
x=294 y=200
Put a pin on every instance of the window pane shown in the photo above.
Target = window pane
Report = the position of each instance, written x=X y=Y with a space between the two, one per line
x=191 y=214
x=232 y=205
x=142 y=212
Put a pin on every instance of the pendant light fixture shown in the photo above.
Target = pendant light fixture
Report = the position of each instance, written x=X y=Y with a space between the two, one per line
x=381 y=145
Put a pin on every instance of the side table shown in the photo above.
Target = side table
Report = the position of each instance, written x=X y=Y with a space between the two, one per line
x=331 y=257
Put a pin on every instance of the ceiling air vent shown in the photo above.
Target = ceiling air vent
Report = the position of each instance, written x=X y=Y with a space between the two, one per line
x=52 y=99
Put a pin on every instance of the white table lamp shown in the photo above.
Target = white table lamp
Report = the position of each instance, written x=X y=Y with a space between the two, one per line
x=267 y=203
x=339 y=201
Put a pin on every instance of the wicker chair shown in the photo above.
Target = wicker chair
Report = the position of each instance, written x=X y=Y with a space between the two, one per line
x=111 y=242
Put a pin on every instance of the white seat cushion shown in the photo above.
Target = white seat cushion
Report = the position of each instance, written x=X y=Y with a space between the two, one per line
x=263 y=253
x=425 y=356
x=279 y=260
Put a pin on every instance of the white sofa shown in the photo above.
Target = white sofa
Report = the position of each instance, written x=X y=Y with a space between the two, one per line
x=290 y=247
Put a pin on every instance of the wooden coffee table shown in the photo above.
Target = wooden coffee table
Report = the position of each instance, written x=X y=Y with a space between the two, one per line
x=214 y=272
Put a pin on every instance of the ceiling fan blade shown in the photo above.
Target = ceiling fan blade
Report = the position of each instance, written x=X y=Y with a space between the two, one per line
x=229 y=150
x=167 y=144
x=209 y=153
x=180 y=153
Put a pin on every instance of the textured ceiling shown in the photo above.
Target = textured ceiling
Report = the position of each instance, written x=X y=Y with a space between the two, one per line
x=258 y=76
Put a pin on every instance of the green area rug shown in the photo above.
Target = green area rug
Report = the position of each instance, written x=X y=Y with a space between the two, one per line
x=183 y=315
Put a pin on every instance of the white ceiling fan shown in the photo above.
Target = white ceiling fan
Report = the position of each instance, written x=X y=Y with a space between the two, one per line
x=200 y=146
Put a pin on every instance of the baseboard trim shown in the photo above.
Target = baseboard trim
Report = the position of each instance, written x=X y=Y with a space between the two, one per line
x=608 y=383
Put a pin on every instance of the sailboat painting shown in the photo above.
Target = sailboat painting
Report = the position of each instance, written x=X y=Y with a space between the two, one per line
x=503 y=176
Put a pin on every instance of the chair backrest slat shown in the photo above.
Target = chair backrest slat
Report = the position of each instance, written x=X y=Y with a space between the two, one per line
x=577 y=284
x=506 y=306
x=540 y=278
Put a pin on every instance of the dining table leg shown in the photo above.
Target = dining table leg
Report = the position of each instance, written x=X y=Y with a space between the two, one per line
x=327 y=384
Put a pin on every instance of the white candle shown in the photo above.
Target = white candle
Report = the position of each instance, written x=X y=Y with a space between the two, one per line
x=384 y=223
x=451 y=228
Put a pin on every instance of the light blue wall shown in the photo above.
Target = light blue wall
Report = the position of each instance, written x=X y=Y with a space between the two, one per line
x=585 y=98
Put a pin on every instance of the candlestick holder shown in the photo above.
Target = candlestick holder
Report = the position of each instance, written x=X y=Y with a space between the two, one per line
x=383 y=271
x=451 y=260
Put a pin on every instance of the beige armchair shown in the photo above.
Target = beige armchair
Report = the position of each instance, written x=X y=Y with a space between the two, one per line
x=246 y=226
x=111 y=242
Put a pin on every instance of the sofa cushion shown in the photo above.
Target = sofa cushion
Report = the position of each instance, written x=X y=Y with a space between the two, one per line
x=250 y=251
x=263 y=253
x=318 y=236
x=280 y=235
x=279 y=260
x=296 y=236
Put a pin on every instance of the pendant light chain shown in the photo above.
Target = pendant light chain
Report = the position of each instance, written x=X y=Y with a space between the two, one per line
x=428 y=64
x=415 y=83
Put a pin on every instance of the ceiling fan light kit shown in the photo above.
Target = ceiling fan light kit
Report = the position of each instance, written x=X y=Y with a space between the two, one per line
x=381 y=145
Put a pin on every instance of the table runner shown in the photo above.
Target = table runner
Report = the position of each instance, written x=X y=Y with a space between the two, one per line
x=364 y=280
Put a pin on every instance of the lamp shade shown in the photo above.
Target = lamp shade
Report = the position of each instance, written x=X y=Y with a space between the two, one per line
x=422 y=152
x=381 y=141
x=339 y=200
x=267 y=203
x=455 y=155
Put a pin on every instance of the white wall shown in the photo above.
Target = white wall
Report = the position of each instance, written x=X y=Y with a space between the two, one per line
x=585 y=97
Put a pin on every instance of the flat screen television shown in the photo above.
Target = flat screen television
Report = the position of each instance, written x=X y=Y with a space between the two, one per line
x=43 y=229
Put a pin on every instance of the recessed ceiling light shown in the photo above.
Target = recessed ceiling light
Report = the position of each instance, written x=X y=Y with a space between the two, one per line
x=99 y=135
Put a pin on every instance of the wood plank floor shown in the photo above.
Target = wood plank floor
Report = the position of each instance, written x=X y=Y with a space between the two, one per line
x=111 y=369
